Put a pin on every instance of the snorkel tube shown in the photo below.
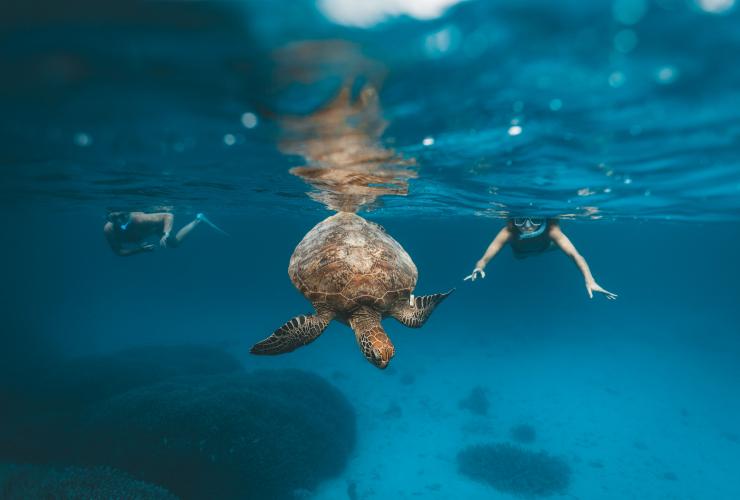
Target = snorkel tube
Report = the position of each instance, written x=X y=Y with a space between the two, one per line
x=118 y=218
x=535 y=233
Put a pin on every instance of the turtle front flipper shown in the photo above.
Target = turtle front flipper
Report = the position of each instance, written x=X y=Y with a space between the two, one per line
x=297 y=332
x=372 y=339
x=415 y=314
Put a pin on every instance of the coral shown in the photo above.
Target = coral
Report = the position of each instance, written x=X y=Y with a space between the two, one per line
x=262 y=434
x=97 y=377
x=523 y=433
x=43 y=412
x=514 y=470
x=476 y=402
x=74 y=483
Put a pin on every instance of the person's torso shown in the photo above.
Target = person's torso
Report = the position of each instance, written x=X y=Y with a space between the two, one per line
x=525 y=247
x=136 y=232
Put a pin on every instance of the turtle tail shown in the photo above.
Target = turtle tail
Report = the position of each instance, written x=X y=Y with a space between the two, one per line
x=372 y=339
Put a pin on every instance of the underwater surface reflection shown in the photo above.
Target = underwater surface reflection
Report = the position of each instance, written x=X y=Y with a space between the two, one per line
x=441 y=131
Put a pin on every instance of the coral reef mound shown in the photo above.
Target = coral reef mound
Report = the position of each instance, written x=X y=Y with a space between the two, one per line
x=476 y=402
x=263 y=434
x=514 y=470
x=42 y=408
x=23 y=482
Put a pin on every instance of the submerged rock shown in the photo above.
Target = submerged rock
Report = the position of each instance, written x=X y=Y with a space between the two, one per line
x=514 y=470
x=42 y=411
x=94 y=378
x=263 y=434
x=24 y=482
x=476 y=402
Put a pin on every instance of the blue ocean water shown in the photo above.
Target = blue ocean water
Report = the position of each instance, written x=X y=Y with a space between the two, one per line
x=620 y=118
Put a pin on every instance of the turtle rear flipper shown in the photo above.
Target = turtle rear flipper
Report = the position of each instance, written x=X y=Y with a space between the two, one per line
x=372 y=339
x=414 y=316
x=297 y=332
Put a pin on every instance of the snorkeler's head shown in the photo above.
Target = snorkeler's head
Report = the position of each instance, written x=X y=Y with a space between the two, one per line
x=120 y=220
x=529 y=227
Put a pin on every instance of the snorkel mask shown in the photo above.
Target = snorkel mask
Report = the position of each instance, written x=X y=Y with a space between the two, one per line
x=120 y=220
x=538 y=223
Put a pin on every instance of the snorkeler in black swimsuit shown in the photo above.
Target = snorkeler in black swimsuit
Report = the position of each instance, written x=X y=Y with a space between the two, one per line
x=127 y=232
x=535 y=235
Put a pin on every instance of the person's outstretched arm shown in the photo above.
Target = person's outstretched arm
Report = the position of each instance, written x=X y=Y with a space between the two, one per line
x=562 y=241
x=126 y=252
x=495 y=247
x=116 y=246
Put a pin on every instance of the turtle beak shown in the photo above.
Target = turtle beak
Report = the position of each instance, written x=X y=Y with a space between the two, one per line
x=380 y=359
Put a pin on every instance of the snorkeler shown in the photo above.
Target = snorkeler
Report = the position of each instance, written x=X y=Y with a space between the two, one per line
x=127 y=232
x=531 y=236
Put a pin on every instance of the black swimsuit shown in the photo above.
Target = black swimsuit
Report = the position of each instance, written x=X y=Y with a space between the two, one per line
x=531 y=246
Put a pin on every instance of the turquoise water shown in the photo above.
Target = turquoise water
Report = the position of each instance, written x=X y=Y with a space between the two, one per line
x=619 y=118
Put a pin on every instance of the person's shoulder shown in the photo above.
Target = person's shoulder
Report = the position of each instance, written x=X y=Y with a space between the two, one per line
x=154 y=216
x=553 y=226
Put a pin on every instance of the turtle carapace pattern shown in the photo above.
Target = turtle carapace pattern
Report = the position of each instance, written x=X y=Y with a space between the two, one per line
x=352 y=271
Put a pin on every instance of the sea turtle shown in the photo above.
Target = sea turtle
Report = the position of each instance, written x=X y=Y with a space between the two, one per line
x=354 y=272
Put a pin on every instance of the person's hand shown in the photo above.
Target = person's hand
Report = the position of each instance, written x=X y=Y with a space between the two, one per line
x=592 y=287
x=147 y=247
x=477 y=272
x=163 y=240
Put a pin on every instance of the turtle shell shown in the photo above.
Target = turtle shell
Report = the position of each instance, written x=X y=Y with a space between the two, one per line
x=346 y=261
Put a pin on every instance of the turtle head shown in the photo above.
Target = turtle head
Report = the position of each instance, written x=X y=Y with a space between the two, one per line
x=372 y=339
x=381 y=351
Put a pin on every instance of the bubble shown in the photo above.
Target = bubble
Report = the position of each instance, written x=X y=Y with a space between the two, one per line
x=428 y=141
x=515 y=130
x=556 y=104
x=249 y=120
x=616 y=79
x=666 y=75
x=628 y=180
x=229 y=139
x=629 y=11
x=625 y=41
x=82 y=139
x=441 y=42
